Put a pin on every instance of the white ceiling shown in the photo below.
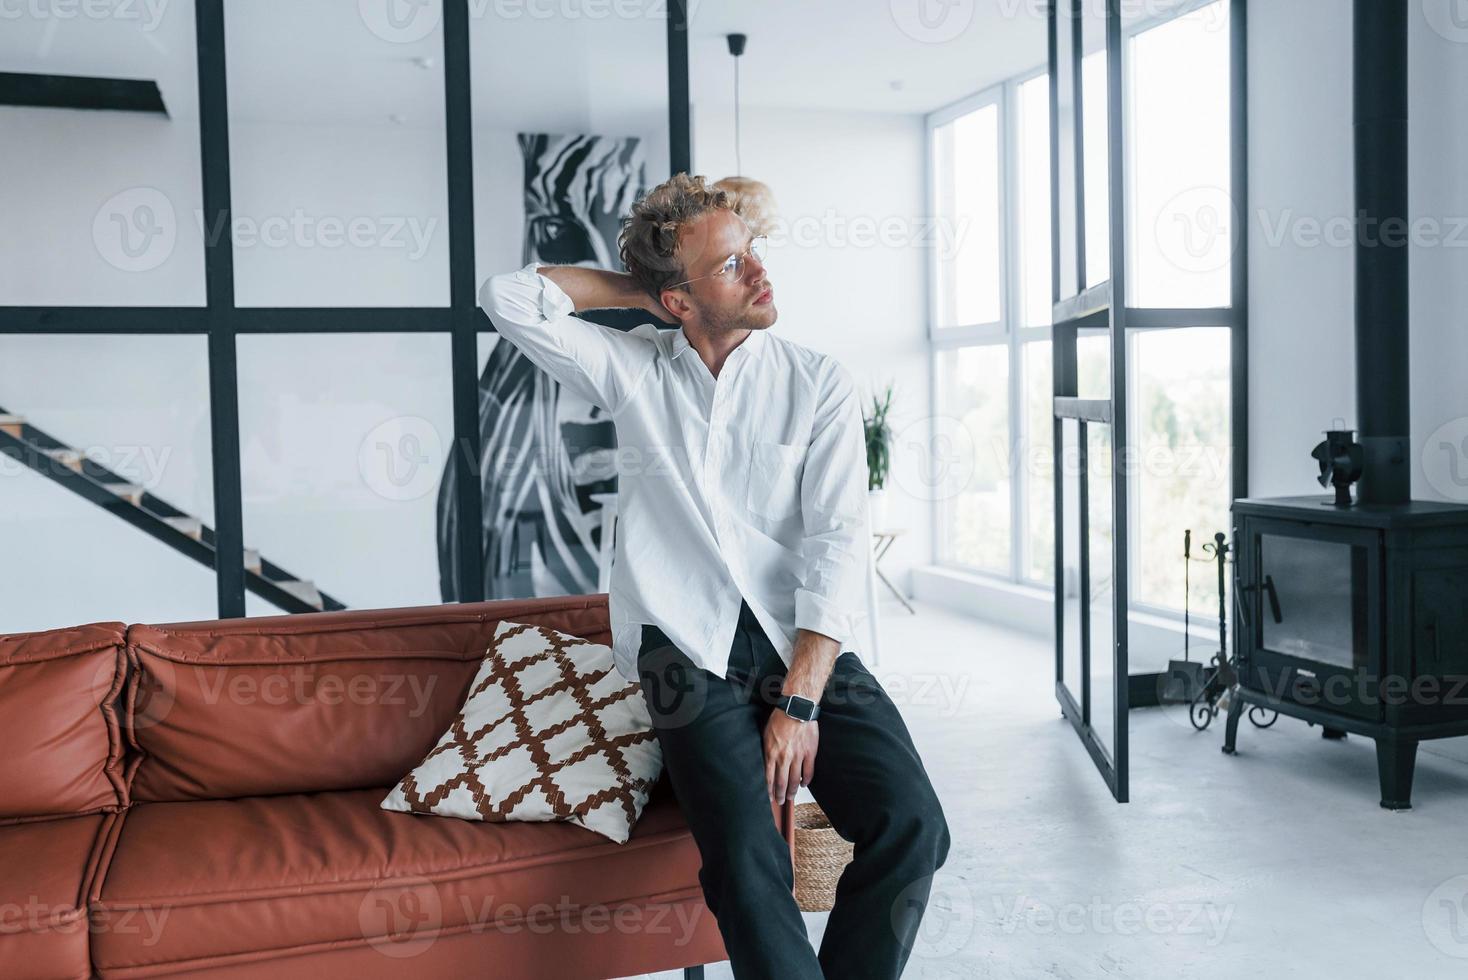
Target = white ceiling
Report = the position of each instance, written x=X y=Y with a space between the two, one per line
x=345 y=62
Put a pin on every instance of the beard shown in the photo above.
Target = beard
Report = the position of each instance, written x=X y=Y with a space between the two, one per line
x=717 y=320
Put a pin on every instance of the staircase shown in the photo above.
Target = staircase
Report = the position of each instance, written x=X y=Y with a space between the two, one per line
x=186 y=533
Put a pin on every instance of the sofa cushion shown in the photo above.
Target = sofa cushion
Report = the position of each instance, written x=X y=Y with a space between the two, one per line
x=550 y=731
x=58 y=722
x=231 y=878
x=45 y=868
x=312 y=702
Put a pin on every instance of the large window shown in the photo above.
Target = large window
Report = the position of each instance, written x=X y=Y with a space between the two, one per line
x=967 y=186
x=993 y=380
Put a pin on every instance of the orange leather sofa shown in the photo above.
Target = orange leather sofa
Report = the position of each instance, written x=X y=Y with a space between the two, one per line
x=202 y=798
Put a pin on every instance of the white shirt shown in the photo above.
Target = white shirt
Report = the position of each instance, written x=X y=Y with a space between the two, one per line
x=751 y=486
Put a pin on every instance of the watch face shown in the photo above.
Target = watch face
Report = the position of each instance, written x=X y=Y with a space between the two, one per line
x=799 y=707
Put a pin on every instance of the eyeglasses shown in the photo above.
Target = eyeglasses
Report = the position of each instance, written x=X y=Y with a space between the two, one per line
x=733 y=267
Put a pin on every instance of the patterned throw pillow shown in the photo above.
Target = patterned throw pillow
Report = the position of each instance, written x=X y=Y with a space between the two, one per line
x=550 y=731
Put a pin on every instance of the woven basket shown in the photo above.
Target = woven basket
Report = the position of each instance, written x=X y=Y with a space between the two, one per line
x=821 y=855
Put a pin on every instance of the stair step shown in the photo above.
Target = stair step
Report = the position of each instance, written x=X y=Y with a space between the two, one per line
x=70 y=458
x=133 y=492
x=191 y=526
x=305 y=590
x=252 y=560
x=11 y=424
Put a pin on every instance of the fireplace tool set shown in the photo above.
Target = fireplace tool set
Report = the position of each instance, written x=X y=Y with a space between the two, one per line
x=1204 y=687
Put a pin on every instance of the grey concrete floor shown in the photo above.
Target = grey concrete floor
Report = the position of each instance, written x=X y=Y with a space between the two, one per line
x=1276 y=862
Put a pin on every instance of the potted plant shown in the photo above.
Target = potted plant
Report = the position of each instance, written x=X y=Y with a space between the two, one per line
x=879 y=459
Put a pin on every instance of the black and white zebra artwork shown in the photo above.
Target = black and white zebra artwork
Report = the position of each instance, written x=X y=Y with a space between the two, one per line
x=544 y=450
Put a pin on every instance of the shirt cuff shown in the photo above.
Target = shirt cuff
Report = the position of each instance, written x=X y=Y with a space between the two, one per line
x=554 y=302
x=820 y=615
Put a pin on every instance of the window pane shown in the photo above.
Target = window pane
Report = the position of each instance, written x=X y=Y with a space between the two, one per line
x=1068 y=466
x=973 y=397
x=966 y=158
x=1102 y=594
x=337 y=161
x=1097 y=166
x=1181 y=421
x=107 y=498
x=99 y=207
x=343 y=443
x=1093 y=364
x=1068 y=132
x=1182 y=215
x=1034 y=201
x=1039 y=463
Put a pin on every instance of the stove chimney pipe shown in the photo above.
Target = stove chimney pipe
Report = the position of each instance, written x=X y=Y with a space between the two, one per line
x=1383 y=399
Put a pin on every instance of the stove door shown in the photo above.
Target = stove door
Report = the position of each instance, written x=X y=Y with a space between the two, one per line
x=1314 y=598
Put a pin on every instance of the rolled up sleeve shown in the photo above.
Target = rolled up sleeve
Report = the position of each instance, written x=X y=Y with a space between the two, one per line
x=833 y=497
x=601 y=364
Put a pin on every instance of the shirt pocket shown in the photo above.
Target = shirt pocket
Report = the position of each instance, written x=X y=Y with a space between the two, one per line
x=773 y=490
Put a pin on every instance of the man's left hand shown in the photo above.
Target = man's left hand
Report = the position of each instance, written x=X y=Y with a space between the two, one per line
x=790 y=754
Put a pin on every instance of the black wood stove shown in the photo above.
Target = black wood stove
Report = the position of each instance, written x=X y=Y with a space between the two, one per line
x=1353 y=614
x=1355 y=618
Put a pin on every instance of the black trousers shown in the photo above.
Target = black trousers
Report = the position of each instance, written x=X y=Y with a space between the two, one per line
x=867 y=778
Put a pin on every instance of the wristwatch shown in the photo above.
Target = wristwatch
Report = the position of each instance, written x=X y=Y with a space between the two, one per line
x=799 y=707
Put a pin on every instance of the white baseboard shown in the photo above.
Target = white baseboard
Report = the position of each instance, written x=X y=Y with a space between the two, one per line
x=1151 y=639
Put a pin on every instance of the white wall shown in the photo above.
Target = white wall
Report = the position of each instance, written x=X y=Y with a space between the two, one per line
x=1302 y=303
x=839 y=288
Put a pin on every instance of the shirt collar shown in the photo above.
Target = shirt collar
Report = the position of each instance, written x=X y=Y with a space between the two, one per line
x=754 y=343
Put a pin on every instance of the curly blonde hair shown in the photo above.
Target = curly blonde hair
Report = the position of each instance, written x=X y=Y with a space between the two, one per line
x=752 y=200
x=652 y=230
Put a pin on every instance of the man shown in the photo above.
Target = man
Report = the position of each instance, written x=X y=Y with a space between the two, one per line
x=737 y=578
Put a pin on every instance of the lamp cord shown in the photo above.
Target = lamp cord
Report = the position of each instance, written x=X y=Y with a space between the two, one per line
x=738 y=161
